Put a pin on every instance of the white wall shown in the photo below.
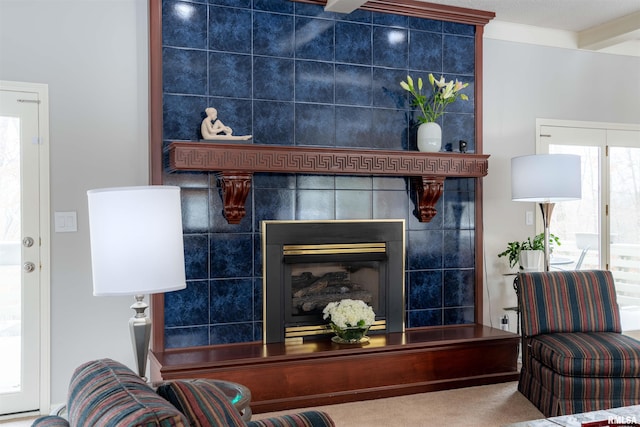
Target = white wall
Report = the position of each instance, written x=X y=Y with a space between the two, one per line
x=93 y=57
x=523 y=82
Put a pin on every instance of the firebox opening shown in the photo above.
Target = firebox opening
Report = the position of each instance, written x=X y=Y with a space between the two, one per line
x=313 y=286
x=316 y=275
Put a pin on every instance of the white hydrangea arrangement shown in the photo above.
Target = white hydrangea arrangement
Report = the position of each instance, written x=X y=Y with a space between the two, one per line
x=349 y=313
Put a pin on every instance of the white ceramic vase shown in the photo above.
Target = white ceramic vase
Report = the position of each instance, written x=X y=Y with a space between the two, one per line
x=531 y=260
x=429 y=137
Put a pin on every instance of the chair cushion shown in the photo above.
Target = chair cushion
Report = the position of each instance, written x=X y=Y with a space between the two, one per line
x=106 y=393
x=568 y=301
x=204 y=404
x=596 y=354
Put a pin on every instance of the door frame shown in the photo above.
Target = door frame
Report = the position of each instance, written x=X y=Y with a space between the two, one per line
x=42 y=91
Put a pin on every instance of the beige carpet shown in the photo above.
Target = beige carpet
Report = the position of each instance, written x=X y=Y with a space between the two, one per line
x=489 y=405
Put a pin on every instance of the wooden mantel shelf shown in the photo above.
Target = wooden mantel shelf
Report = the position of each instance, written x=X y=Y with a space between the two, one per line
x=236 y=163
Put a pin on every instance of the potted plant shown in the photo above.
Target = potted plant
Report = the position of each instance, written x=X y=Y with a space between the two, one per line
x=528 y=253
x=349 y=320
x=433 y=106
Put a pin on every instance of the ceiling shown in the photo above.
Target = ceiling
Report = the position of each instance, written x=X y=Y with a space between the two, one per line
x=598 y=24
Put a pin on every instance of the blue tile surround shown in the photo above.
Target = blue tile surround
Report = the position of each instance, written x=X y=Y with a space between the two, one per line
x=291 y=74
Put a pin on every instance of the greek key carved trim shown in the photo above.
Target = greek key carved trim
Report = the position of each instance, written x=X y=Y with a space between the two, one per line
x=330 y=161
x=235 y=164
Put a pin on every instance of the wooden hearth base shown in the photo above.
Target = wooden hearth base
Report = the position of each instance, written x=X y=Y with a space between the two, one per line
x=321 y=372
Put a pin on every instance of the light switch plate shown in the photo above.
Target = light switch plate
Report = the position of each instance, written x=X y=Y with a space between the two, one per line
x=65 y=222
x=528 y=218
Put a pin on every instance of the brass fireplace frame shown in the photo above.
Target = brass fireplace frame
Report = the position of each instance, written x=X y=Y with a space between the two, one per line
x=379 y=243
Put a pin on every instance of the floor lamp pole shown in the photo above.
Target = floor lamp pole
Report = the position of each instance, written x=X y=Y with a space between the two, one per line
x=547 y=210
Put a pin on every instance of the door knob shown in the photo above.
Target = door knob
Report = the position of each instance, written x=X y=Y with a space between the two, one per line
x=27 y=242
x=28 y=267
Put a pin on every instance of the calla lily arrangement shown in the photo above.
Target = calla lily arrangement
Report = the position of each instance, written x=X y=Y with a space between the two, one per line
x=443 y=94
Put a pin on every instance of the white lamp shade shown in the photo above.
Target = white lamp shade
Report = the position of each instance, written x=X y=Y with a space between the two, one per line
x=136 y=240
x=546 y=178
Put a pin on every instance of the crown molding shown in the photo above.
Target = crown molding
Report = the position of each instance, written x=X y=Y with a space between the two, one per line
x=413 y=8
x=528 y=34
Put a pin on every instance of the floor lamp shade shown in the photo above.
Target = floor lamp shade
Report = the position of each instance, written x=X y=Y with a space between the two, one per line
x=136 y=249
x=136 y=240
x=546 y=178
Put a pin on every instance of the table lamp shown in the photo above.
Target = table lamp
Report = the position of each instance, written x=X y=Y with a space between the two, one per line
x=546 y=179
x=136 y=249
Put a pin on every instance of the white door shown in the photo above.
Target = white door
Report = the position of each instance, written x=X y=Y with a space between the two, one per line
x=602 y=230
x=579 y=224
x=22 y=247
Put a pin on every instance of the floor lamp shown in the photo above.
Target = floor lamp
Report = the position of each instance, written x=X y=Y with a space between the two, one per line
x=136 y=249
x=546 y=179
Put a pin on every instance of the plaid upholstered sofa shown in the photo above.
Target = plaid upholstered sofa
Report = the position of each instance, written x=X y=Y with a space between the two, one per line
x=574 y=357
x=105 y=393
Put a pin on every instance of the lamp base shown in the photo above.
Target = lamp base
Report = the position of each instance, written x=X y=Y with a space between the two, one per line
x=140 y=329
x=547 y=210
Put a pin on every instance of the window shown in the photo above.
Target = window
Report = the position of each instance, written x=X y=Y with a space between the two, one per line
x=602 y=230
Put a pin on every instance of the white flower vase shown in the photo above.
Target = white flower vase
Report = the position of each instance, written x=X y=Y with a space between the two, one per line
x=429 y=137
x=531 y=260
x=352 y=335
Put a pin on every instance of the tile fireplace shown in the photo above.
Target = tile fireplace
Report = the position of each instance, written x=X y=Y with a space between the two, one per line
x=308 y=264
x=309 y=102
x=215 y=328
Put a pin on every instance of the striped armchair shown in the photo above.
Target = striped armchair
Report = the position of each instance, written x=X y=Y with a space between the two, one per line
x=105 y=393
x=574 y=357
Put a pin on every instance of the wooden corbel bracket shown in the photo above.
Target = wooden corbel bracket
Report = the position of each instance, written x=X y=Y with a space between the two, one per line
x=429 y=189
x=235 y=164
x=235 y=189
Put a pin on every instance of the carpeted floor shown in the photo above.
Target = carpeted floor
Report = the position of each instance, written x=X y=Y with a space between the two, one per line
x=490 y=405
x=18 y=422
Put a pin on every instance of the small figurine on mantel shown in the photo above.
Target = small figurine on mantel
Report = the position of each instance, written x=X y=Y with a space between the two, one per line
x=213 y=128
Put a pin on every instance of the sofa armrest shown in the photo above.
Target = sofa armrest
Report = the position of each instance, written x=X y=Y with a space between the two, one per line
x=50 y=421
x=301 y=419
x=105 y=392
